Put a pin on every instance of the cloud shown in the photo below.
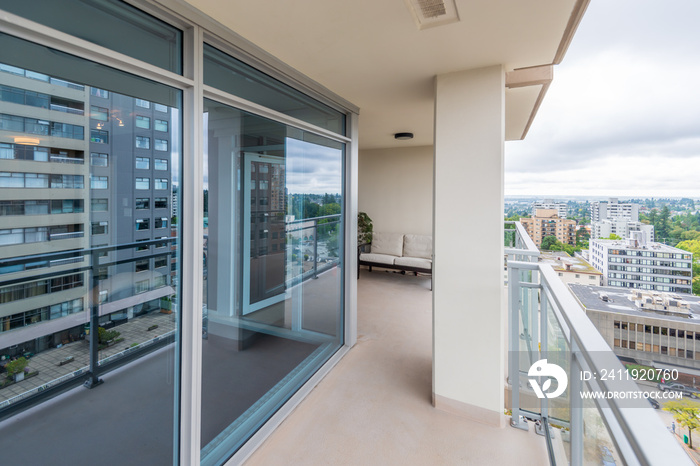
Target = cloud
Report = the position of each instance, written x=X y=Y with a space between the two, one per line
x=624 y=96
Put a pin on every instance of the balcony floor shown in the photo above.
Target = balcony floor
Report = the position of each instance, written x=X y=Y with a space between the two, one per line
x=375 y=406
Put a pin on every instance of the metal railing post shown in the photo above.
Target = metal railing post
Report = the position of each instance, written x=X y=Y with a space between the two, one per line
x=316 y=248
x=514 y=304
x=575 y=407
x=93 y=380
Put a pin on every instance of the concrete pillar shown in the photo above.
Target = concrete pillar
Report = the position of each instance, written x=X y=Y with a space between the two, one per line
x=468 y=311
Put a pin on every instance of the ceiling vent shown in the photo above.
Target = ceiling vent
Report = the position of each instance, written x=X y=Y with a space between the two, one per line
x=431 y=13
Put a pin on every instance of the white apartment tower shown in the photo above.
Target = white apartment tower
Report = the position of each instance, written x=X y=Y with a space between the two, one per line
x=612 y=217
x=634 y=263
x=560 y=207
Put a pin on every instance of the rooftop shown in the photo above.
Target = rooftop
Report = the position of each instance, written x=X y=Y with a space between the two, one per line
x=559 y=260
x=622 y=301
x=623 y=244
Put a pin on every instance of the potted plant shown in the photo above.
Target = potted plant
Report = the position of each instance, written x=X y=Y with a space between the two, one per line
x=15 y=369
x=364 y=228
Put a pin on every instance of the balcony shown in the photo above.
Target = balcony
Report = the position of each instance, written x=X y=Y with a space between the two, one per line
x=375 y=406
x=546 y=323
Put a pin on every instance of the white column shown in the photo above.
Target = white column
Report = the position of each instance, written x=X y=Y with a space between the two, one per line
x=468 y=311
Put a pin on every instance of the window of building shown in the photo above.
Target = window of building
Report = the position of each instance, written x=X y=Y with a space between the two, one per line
x=142 y=203
x=99 y=113
x=99 y=136
x=143 y=183
x=143 y=224
x=142 y=103
x=161 y=183
x=141 y=286
x=99 y=228
x=161 y=261
x=141 y=265
x=99 y=182
x=143 y=142
x=99 y=93
x=161 y=125
x=160 y=164
x=142 y=122
x=99 y=205
x=143 y=163
x=159 y=281
x=98 y=159
x=161 y=144
x=160 y=108
x=161 y=222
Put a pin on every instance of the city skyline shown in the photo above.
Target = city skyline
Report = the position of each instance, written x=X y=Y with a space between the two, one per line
x=618 y=119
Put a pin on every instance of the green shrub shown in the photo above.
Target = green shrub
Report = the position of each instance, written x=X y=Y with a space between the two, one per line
x=16 y=366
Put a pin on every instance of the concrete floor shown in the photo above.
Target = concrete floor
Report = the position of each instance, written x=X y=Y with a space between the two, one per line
x=374 y=408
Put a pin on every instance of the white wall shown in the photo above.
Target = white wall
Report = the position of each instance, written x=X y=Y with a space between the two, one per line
x=468 y=308
x=396 y=189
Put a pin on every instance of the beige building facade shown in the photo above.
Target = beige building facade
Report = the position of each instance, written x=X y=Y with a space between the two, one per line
x=546 y=222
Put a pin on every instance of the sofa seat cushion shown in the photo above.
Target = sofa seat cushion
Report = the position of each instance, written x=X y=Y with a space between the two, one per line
x=390 y=244
x=378 y=258
x=417 y=262
x=418 y=246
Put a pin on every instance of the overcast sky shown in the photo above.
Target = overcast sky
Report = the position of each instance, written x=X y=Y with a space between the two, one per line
x=622 y=117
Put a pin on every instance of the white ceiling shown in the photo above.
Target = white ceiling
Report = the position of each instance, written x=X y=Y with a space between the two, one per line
x=371 y=52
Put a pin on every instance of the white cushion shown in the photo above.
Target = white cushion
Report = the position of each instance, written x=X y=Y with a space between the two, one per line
x=387 y=243
x=377 y=258
x=414 y=262
x=418 y=246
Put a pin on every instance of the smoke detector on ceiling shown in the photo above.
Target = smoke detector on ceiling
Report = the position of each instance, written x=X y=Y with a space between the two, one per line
x=431 y=13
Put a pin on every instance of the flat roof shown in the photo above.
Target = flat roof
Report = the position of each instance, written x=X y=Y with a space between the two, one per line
x=620 y=302
x=650 y=246
x=560 y=259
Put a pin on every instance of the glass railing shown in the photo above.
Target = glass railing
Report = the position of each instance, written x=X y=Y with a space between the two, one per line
x=313 y=246
x=94 y=337
x=559 y=372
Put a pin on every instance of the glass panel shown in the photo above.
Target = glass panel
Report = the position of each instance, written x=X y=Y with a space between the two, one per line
x=109 y=23
x=81 y=304
x=268 y=324
x=559 y=408
x=598 y=446
x=228 y=74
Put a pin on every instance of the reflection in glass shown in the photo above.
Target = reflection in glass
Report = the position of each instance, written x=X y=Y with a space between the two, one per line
x=78 y=298
x=272 y=269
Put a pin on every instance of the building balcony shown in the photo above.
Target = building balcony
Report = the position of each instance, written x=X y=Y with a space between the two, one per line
x=547 y=327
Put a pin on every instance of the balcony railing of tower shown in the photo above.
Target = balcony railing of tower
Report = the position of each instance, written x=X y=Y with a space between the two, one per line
x=96 y=259
x=546 y=323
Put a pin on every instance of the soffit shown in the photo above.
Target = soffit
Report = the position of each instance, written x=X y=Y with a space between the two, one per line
x=372 y=54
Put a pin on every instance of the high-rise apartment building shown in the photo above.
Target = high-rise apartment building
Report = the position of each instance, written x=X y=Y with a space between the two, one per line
x=546 y=222
x=620 y=227
x=614 y=209
x=612 y=217
x=634 y=263
x=561 y=207
x=44 y=208
x=77 y=162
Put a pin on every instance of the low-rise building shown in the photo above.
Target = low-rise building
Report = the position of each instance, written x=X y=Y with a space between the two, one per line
x=651 y=327
x=572 y=269
x=546 y=222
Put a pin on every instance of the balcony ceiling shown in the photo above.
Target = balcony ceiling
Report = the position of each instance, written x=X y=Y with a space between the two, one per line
x=373 y=54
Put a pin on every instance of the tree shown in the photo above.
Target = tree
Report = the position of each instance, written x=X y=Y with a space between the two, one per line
x=548 y=242
x=686 y=413
x=613 y=236
x=694 y=247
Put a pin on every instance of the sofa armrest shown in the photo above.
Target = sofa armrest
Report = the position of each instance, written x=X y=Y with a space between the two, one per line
x=361 y=247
